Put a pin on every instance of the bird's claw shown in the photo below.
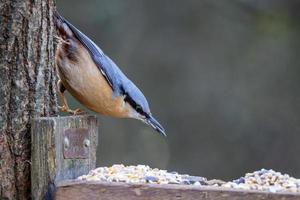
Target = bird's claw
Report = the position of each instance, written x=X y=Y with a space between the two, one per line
x=61 y=40
x=77 y=111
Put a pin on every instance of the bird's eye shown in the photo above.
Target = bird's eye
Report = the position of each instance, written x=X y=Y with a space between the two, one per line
x=138 y=108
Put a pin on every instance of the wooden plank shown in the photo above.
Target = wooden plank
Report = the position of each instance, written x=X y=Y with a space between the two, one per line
x=62 y=148
x=121 y=191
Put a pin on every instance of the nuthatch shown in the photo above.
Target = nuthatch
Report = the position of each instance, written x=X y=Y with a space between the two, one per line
x=95 y=80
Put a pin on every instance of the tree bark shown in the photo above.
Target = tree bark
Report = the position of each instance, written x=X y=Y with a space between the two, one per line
x=27 y=86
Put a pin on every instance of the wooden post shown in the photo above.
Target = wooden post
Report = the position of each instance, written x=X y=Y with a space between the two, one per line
x=62 y=148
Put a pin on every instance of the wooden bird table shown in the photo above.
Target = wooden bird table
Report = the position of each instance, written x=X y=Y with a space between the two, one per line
x=64 y=148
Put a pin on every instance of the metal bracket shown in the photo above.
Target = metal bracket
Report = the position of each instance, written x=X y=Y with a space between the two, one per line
x=76 y=143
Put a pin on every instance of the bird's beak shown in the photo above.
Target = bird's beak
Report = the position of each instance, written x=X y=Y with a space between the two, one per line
x=156 y=125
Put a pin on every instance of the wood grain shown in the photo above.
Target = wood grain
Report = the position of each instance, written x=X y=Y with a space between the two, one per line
x=120 y=191
x=48 y=163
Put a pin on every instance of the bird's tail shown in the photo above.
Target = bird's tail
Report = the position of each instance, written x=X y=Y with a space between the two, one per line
x=62 y=27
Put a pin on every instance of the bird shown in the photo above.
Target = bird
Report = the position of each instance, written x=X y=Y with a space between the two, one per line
x=95 y=80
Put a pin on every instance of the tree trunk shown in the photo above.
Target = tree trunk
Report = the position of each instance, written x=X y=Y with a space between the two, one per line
x=27 y=86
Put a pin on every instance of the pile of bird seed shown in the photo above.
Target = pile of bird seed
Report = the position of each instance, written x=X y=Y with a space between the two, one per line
x=140 y=174
x=264 y=180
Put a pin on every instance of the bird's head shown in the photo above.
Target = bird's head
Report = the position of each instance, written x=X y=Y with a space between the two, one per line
x=139 y=108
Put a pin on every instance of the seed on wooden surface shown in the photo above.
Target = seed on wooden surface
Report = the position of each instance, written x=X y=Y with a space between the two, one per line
x=264 y=180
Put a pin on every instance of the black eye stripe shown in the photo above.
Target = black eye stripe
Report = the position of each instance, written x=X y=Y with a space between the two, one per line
x=137 y=107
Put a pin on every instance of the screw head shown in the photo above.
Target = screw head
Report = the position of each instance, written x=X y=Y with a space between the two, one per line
x=66 y=143
x=86 y=143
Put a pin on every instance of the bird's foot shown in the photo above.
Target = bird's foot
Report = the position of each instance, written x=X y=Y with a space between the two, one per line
x=61 y=40
x=77 y=111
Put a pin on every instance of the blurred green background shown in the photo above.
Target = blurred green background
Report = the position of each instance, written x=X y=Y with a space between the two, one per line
x=221 y=76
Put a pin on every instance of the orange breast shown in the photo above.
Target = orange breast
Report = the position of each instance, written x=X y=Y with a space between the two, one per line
x=84 y=81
